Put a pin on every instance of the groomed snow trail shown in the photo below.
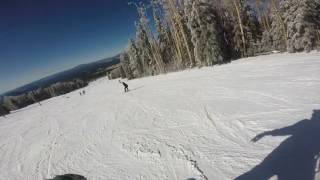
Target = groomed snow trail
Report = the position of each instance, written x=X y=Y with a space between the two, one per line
x=192 y=124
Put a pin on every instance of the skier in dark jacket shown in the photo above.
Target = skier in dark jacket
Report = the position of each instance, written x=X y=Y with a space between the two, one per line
x=125 y=85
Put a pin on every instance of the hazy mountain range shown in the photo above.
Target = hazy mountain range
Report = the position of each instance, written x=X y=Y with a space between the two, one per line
x=83 y=71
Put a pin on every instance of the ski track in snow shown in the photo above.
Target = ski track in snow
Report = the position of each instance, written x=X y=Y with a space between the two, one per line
x=191 y=124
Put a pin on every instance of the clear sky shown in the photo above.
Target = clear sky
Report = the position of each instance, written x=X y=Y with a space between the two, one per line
x=42 y=37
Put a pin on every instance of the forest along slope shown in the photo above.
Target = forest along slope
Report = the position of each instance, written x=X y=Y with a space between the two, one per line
x=192 y=124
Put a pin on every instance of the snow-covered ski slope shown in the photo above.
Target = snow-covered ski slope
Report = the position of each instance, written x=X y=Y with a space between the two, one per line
x=192 y=124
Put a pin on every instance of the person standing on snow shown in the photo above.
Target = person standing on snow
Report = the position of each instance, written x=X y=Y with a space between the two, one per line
x=125 y=85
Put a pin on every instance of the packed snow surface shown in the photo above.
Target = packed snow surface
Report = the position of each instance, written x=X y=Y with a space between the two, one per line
x=194 y=124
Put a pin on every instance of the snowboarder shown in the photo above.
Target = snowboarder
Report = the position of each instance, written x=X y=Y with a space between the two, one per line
x=125 y=85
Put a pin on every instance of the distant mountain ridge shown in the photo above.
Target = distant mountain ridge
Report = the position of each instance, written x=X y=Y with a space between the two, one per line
x=82 y=71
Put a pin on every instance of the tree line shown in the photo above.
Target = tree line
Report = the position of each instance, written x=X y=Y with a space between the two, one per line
x=10 y=103
x=195 y=33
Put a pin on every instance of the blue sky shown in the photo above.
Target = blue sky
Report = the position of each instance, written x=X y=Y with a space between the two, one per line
x=42 y=37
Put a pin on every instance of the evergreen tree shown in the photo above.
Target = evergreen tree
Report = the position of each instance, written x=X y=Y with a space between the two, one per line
x=204 y=28
x=247 y=29
x=278 y=31
x=226 y=23
x=176 y=16
x=134 y=60
x=144 y=48
x=164 y=40
x=303 y=19
x=266 y=43
x=125 y=63
x=253 y=30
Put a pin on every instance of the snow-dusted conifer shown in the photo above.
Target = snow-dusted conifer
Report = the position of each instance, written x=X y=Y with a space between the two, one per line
x=166 y=46
x=144 y=48
x=125 y=63
x=247 y=30
x=180 y=33
x=202 y=22
x=134 y=60
x=278 y=31
x=303 y=19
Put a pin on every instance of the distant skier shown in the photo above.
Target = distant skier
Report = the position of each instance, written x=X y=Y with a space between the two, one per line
x=125 y=85
x=83 y=92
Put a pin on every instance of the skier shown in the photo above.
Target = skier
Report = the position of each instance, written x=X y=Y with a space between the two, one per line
x=126 y=89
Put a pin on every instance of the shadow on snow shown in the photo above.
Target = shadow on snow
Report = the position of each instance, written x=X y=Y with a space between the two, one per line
x=296 y=158
x=69 y=177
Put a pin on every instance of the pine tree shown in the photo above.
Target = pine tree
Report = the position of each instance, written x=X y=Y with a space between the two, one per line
x=253 y=30
x=295 y=25
x=278 y=31
x=181 y=35
x=247 y=29
x=163 y=39
x=266 y=43
x=144 y=48
x=227 y=24
x=134 y=60
x=302 y=18
x=125 y=63
x=261 y=9
x=204 y=28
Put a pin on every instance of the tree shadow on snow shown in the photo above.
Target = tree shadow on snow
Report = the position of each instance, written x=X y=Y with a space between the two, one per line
x=69 y=177
x=296 y=158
